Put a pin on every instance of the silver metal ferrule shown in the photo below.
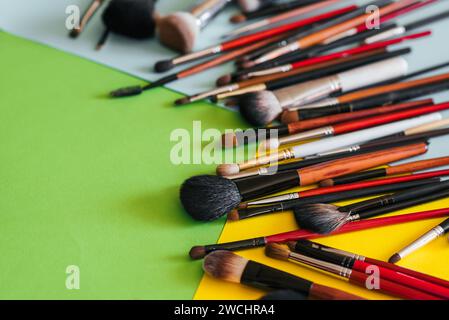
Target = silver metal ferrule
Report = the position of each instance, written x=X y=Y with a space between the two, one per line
x=333 y=152
x=278 y=52
x=265 y=72
x=307 y=92
x=196 y=55
x=328 y=102
x=207 y=10
x=284 y=197
x=322 y=265
x=436 y=232
x=307 y=135
x=220 y=90
x=385 y=35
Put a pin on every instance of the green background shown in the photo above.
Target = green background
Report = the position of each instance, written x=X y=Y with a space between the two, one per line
x=87 y=181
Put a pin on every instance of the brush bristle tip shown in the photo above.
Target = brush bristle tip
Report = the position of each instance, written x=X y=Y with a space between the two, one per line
x=197 y=252
x=163 y=66
x=233 y=215
x=394 y=258
x=230 y=169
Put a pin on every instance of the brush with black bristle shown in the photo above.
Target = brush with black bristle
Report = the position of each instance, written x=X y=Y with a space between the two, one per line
x=231 y=267
x=86 y=17
x=130 y=18
x=326 y=218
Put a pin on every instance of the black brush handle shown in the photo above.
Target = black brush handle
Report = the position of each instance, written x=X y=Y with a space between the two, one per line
x=331 y=257
x=265 y=277
x=375 y=101
x=445 y=225
x=333 y=197
x=236 y=245
x=426 y=21
x=403 y=205
x=399 y=197
x=316 y=74
x=360 y=176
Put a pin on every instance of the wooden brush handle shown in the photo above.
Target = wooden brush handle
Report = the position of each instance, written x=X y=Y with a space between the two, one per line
x=300 y=126
x=418 y=166
x=392 y=87
x=352 y=23
x=427 y=127
x=341 y=167
x=320 y=292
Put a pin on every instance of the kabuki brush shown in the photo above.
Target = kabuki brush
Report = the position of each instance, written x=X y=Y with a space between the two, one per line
x=389 y=171
x=280 y=17
x=325 y=218
x=234 y=215
x=198 y=252
x=180 y=30
x=129 y=18
x=86 y=17
x=231 y=267
x=239 y=138
x=402 y=287
x=328 y=144
x=385 y=273
x=264 y=106
x=208 y=197
x=298 y=245
x=280 y=31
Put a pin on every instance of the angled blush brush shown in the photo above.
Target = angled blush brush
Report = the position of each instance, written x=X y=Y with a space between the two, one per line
x=209 y=197
x=199 y=252
x=166 y=65
x=231 y=267
x=86 y=17
x=389 y=281
x=389 y=171
x=307 y=243
x=325 y=218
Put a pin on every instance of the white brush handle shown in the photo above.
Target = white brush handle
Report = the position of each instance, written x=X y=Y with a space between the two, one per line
x=373 y=73
x=361 y=136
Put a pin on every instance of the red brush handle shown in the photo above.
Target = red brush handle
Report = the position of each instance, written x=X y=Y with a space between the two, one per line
x=375 y=121
x=228 y=45
x=410 y=272
x=358 y=225
x=373 y=183
x=405 y=280
x=389 y=287
x=361 y=49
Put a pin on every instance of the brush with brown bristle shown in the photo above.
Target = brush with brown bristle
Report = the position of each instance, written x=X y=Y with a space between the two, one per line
x=87 y=16
x=326 y=218
x=230 y=267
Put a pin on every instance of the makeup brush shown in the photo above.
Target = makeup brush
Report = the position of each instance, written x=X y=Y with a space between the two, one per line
x=263 y=107
x=369 y=102
x=230 y=267
x=333 y=30
x=238 y=138
x=86 y=17
x=179 y=30
x=129 y=18
x=408 y=27
x=270 y=21
x=354 y=276
x=272 y=10
x=342 y=188
x=284 y=295
x=198 y=252
x=280 y=31
x=208 y=197
x=426 y=238
x=325 y=218
x=362 y=266
x=307 y=243
x=389 y=171
x=346 y=127
x=328 y=144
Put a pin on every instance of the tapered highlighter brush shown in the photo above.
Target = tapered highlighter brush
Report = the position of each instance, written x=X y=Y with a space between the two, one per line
x=389 y=171
x=325 y=218
x=346 y=127
x=337 y=189
x=231 y=267
x=208 y=197
x=333 y=30
x=328 y=144
x=296 y=245
x=414 y=290
x=199 y=252
x=86 y=17
x=426 y=238
x=271 y=21
x=279 y=31
x=263 y=107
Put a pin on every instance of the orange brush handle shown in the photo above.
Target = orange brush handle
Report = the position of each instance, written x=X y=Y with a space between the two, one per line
x=417 y=166
x=341 y=167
